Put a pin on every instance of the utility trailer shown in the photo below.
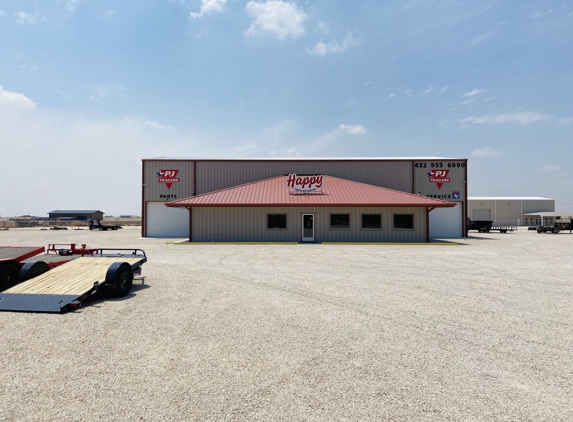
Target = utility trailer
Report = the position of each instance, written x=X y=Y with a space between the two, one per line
x=556 y=228
x=12 y=259
x=66 y=286
x=503 y=229
x=97 y=225
x=481 y=226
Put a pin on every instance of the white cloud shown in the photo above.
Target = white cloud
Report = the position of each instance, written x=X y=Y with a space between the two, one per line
x=71 y=5
x=523 y=118
x=479 y=39
x=408 y=93
x=551 y=168
x=474 y=92
x=209 y=6
x=538 y=15
x=354 y=129
x=429 y=89
x=275 y=18
x=321 y=49
x=99 y=92
x=566 y=119
x=501 y=23
x=485 y=152
x=322 y=28
x=23 y=18
x=391 y=95
x=3 y=13
x=13 y=99
x=445 y=88
x=157 y=125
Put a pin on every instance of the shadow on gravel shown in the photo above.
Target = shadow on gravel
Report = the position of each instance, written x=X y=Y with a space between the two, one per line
x=101 y=297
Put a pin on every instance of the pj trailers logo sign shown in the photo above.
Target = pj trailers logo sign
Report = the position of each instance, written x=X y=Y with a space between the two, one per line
x=168 y=177
x=439 y=177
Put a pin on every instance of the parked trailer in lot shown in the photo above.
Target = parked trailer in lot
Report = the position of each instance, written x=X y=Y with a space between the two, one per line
x=481 y=226
x=66 y=286
x=14 y=260
x=503 y=229
x=556 y=228
x=97 y=225
x=11 y=261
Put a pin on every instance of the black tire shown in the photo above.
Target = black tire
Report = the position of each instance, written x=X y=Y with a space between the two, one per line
x=555 y=231
x=8 y=276
x=32 y=269
x=539 y=231
x=119 y=279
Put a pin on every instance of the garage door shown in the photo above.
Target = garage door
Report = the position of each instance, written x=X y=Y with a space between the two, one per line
x=446 y=222
x=482 y=214
x=166 y=222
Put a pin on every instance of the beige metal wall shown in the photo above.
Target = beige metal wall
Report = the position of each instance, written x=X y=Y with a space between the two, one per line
x=215 y=175
x=510 y=211
x=249 y=224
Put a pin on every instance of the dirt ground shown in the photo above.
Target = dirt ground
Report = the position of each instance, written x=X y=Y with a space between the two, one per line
x=480 y=331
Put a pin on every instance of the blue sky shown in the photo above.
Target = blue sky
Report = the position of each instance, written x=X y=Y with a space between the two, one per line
x=88 y=88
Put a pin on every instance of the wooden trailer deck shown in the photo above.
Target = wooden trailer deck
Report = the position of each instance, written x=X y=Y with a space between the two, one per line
x=73 y=278
x=67 y=285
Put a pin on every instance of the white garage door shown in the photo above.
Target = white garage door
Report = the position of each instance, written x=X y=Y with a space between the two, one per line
x=166 y=222
x=483 y=215
x=446 y=222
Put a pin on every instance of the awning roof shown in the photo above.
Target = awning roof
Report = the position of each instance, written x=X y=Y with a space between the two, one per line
x=337 y=192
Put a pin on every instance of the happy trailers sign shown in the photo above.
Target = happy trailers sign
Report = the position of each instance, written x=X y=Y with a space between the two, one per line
x=304 y=184
x=168 y=177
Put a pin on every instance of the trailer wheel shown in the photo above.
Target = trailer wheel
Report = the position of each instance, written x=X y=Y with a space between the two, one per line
x=539 y=231
x=119 y=278
x=33 y=269
x=555 y=231
x=8 y=276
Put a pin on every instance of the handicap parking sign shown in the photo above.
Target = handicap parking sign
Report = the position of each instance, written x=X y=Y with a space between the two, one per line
x=455 y=195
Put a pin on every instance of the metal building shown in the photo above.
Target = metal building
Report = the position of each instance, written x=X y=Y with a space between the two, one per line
x=77 y=214
x=508 y=211
x=170 y=179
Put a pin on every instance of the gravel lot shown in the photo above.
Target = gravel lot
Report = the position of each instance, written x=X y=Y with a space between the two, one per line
x=479 y=331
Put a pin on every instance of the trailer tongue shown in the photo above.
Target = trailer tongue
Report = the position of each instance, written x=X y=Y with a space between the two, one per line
x=66 y=286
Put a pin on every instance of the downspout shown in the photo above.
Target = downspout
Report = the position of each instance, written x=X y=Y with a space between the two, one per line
x=143 y=216
x=428 y=223
x=190 y=224
x=194 y=178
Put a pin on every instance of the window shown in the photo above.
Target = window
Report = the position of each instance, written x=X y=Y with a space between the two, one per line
x=403 y=221
x=340 y=221
x=371 y=222
x=276 y=221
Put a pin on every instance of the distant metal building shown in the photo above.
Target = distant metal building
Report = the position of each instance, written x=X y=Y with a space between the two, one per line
x=77 y=214
x=169 y=179
x=508 y=211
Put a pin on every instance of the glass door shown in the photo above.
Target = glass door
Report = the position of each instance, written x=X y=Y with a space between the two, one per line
x=308 y=227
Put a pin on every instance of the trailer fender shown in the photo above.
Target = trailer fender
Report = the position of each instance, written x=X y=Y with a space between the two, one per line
x=33 y=269
x=8 y=275
x=119 y=278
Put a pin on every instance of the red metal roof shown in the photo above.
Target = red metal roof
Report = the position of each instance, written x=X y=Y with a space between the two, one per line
x=336 y=192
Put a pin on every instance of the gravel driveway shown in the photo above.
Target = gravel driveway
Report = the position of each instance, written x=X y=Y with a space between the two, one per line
x=481 y=331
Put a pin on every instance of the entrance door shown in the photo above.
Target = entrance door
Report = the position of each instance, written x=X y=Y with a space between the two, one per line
x=308 y=227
